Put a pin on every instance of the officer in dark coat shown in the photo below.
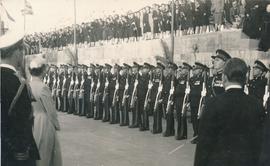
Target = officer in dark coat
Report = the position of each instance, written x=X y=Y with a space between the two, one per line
x=82 y=95
x=98 y=110
x=158 y=81
x=18 y=147
x=124 y=108
x=106 y=93
x=181 y=85
x=257 y=85
x=64 y=92
x=133 y=116
x=114 y=93
x=169 y=93
x=196 y=83
x=143 y=120
x=215 y=86
x=71 y=91
x=92 y=79
x=230 y=130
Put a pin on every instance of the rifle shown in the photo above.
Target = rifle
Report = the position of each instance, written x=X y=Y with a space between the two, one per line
x=81 y=94
x=135 y=91
x=54 y=86
x=266 y=92
x=185 y=107
x=92 y=92
x=97 y=89
x=149 y=92
x=58 y=87
x=203 y=94
x=64 y=85
x=125 y=94
x=70 y=88
x=170 y=98
x=105 y=92
x=116 y=91
x=45 y=79
x=76 y=84
x=158 y=97
x=246 y=85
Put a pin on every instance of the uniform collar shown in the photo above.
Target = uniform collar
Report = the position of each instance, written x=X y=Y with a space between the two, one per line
x=233 y=87
x=8 y=66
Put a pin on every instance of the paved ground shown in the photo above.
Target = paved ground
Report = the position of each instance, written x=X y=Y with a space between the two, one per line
x=87 y=142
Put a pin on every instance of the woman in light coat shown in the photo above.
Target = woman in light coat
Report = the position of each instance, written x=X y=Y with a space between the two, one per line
x=46 y=123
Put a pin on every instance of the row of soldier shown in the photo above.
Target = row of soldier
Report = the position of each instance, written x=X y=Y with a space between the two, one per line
x=129 y=95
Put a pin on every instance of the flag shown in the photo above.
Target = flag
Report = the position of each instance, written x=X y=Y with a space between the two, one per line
x=27 y=8
x=4 y=11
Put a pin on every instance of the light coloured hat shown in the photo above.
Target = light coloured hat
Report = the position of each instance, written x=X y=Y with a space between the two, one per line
x=37 y=62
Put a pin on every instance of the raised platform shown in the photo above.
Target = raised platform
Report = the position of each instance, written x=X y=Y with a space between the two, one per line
x=188 y=48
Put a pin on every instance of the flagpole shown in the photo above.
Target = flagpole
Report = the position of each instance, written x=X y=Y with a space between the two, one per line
x=75 y=42
x=24 y=23
x=172 y=33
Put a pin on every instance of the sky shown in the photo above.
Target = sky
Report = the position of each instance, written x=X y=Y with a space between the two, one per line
x=54 y=14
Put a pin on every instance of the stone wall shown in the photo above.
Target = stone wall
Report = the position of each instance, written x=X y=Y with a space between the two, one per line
x=187 y=48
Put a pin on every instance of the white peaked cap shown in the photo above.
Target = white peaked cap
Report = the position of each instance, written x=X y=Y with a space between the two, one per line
x=13 y=35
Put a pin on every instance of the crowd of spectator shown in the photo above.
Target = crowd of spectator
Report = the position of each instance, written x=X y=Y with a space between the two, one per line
x=190 y=17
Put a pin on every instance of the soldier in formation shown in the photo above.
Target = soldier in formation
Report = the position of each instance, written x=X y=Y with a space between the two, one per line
x=156 y=98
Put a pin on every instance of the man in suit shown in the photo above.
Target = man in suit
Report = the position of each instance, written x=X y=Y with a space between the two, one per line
x=230 y=130
x=18 y=146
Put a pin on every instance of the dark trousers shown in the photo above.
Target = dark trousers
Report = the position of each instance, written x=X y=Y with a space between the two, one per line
x=114 y=113
x=65 y=103
x=194 y=120
x=134 y=116
x=157 y=118
x=71 y=105
x=169 y=124
x=106 y=110
x=61 y=99
x=81 y=107
x=98 y=110
x=180 y=121
x=19 y=163
x=124 y=118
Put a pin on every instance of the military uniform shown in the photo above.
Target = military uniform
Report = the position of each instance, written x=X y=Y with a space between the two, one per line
x=133 y=116
x=64 y=92
x=169 y=89
x=98 y=110
x=143 y=80
x=180 y=92
x=124 y=108
x=71 y=92
x=93 y=85
x=158 y=82
x=114 y=111
x=256 y=86
x=106 y=94
x=196 y=85
x=215 y=85
x=88 y=87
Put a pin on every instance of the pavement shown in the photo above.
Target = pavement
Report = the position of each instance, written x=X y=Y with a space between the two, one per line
x=88 y=142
